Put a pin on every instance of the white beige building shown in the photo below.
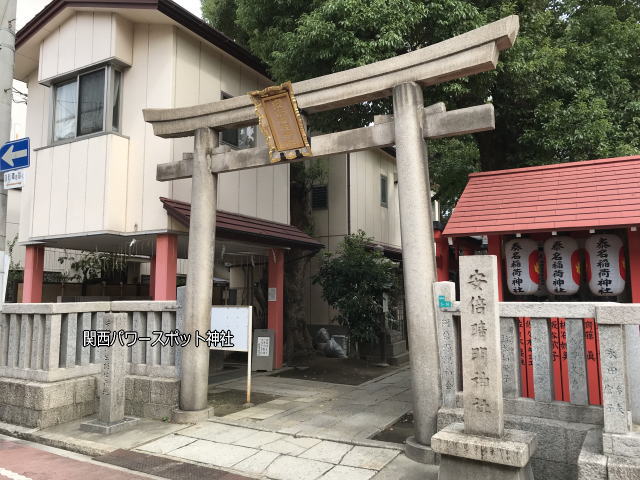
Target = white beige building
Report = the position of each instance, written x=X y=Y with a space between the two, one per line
x=356 y=191
x=91 y=68
x=91 y=185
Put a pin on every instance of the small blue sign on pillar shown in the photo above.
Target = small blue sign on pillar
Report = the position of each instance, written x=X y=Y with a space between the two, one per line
x=14 y=155
x=443 y=302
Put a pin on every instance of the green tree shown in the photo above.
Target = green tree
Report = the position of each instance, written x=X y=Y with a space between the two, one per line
x=354 y=280
x=568 y=90
x=93 y=267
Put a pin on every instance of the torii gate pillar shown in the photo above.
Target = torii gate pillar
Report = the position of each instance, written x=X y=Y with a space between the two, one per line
x=194 y=385
x=418 y=254
x=473 y=52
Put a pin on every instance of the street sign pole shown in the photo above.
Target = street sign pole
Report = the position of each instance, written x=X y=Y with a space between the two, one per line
x=7 y=61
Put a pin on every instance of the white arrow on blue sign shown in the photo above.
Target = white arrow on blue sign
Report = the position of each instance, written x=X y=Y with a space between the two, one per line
x=14 y=155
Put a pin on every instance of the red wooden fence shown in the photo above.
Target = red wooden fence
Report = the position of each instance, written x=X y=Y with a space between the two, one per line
x=559 y=354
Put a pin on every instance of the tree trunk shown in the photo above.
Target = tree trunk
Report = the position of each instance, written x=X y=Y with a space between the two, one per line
x=299 y=345
x=298 y=342
x=492 y=157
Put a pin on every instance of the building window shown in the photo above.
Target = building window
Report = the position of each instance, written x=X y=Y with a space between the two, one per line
x=79 y=104
x=116 y=93
x=319 y=197
x=240 y=138
x=384 y=189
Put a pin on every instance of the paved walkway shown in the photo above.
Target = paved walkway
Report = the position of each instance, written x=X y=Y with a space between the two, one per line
x=313 y=431
x=325 y=410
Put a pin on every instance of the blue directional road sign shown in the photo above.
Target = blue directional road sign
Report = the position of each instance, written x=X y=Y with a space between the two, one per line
x=14 y=155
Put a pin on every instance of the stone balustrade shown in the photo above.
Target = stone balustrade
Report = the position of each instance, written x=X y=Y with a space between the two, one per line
x=619 y=349
x=540 y=314
x=48 y=377
x=44 y=342
x=620 y=353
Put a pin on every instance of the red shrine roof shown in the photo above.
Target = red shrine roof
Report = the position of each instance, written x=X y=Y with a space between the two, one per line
x=241 y=227
x=565 y=196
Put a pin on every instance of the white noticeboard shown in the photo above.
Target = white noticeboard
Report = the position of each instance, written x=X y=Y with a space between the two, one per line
x=262 y=350
x=236 y=320
x=14 y=179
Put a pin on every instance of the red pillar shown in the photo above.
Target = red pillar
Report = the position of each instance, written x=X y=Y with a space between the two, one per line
x=633 y=269
x=152 y=276
x=442 y=256
x=166 y=263
x=495 y=248
x=33 y=274
x=275 y=313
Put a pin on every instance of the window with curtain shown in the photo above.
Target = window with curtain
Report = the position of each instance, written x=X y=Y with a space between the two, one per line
x=66 y=106
x=79 y=106
x=91 y=103
x=115 y=95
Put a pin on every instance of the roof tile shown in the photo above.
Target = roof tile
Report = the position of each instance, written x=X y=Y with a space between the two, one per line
x=246 y=228
x=576 y=196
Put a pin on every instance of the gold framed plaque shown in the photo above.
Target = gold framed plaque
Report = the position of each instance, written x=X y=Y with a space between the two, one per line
x=281 y=123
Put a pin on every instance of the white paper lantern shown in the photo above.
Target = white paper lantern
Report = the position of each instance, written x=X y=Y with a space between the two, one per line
x=606 y=270
x=562 y=261
x=523 y=267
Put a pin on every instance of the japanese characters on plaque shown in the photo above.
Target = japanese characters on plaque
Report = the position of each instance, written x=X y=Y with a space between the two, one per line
x=615 y=401
x=606 y=268
x=107 y=361
x=481 y=357
x=262 y=349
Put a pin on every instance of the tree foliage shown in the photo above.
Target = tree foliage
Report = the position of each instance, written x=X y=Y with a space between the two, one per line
x=354 y=280
x=568 y=90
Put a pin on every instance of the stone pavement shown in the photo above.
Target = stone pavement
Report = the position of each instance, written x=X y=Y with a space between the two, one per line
x=325 y=410
x=313 y=431
x=278 y=456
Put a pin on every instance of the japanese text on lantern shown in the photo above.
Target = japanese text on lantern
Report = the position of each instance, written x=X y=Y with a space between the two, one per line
x=604 y=280
x=558 y=267
x=516 y=268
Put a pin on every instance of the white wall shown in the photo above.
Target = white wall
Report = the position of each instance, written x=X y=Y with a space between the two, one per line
x=367 y=213
x=85 y=39
x=76 y=187
x=202 y=73
x=108 y=182
x=382 y=223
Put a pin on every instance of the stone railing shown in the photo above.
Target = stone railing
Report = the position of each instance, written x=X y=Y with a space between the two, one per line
x=620 y=354
x=151 y=358
x=539 y=345
x=44 y=342
x=619 y=347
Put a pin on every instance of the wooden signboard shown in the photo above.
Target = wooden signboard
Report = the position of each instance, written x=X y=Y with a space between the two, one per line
x=281 y=123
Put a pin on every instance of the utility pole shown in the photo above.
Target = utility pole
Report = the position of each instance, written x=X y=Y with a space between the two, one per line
x=7 y=60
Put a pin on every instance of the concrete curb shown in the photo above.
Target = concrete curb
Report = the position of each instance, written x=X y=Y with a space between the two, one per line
x=385 y=375
x=83 y=447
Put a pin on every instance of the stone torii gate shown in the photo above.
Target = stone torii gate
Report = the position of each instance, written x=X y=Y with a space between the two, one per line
x=401 y=77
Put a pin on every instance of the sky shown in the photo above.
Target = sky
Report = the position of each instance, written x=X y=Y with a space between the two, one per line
x=27 y=9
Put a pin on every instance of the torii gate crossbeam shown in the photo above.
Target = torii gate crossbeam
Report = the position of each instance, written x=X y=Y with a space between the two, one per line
x=473 y=52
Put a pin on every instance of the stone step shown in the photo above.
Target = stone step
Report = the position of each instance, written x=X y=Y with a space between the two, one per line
x=399 y=359
x=397 y=348
x=393 y=349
